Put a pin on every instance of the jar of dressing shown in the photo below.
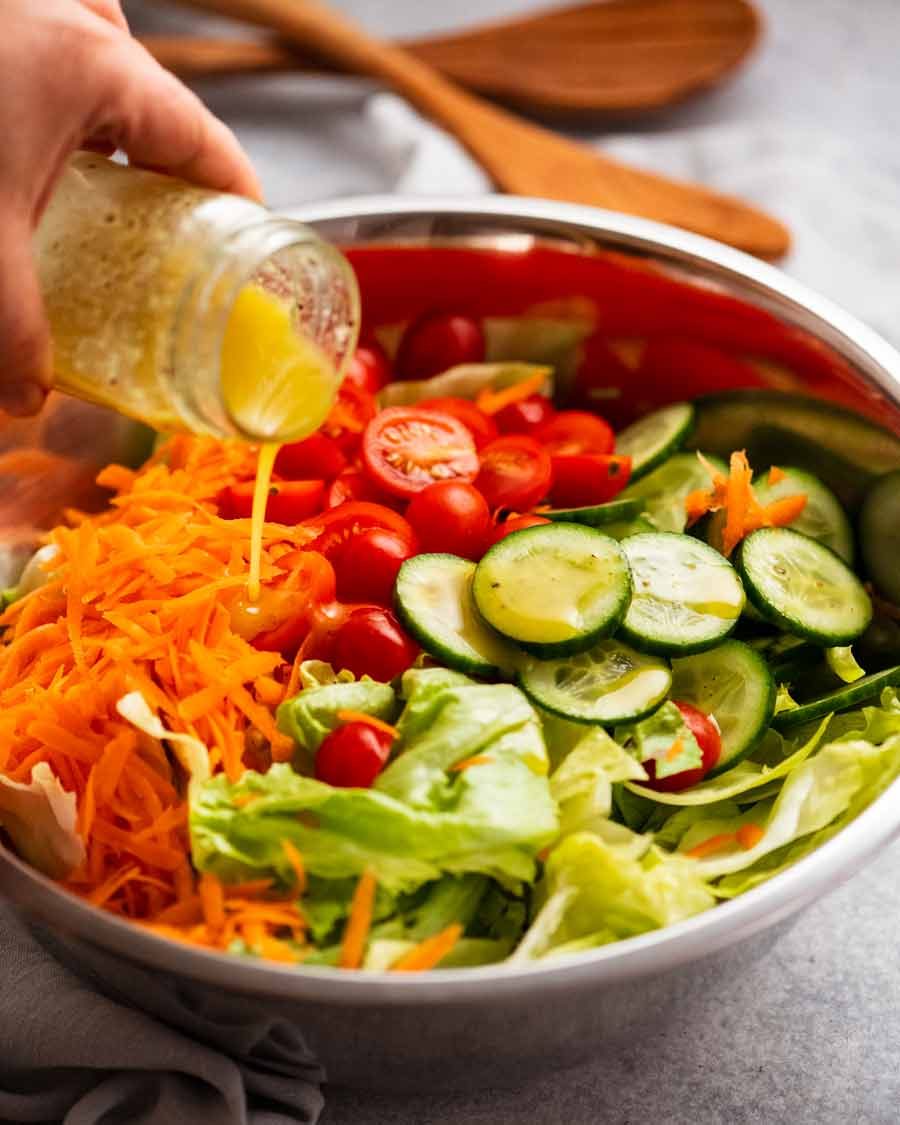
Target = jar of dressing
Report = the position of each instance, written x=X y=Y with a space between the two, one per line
x=189 y=309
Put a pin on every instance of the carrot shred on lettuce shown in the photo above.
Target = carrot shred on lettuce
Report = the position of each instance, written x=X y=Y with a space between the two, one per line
x=359 y=922
x=430 y=952
x=490 y=401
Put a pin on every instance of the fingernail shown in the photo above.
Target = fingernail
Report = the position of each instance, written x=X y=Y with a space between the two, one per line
x=22 y=399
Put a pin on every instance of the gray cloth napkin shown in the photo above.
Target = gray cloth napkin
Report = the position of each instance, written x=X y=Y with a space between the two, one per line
x=72 y=1053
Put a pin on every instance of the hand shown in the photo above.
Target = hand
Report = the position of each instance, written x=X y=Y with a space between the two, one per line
x=72 y=77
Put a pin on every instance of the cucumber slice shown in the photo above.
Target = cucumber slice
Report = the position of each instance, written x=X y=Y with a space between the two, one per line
x=822 y=519
x=732 y=684
x=663 y=490
x=655 y=437
x=841 y=699
x=803 y=586
x=597 y=515
x=433 y=599
x=686 y=598
x=554 y=588
x=843 y=449
x=879 y=535
x=609 y=684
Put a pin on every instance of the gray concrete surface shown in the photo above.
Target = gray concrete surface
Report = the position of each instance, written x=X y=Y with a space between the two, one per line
x=810 y=1035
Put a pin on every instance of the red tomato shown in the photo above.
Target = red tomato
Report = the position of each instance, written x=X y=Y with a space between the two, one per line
x=339 y=525
x=406 y=448
x=576 y=431
x=368 y=564
x=515 y=473
x=289 y=501
x=369 y=368
x=588 y=478
x=525 y=416
x=316 y=457
x=437 y=341
x=352 y=756
x=709 y=740
x=353 y=409
x=315 y=585
x=371 y=643
x=450 y=516
x=515 y=523
x=481 y=426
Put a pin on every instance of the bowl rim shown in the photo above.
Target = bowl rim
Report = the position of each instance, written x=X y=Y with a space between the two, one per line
x=651 y=953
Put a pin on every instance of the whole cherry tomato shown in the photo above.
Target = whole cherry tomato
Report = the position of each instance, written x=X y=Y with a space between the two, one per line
x=708 y=739
x=576 y=431
x=481 y=426
x=367 y=566
x=369 y=368
x=405 y=449
x=526 y=416
x=315 y=458
x=289 y=501
x=515 y=523
x=436 y=342
x=372 y=643
x=352 y=756
x=452 y=517
x=515 y=473
x=587 y=478
x=337 y=526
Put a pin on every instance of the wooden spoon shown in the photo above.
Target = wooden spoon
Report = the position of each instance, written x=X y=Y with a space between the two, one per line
x=623 y=56
x=520 y=157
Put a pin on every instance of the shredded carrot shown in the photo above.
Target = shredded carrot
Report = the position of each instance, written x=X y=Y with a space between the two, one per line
x=359 y=922
x=749 y=835
x=492 y=402
x=674 y=750
x=296 y=861
x=776 y=476
x=430 y=952
x=242 y=800
x=780 y=513
x=467 y=763
x=712 y=845
x=369 y=720
x=212 y=901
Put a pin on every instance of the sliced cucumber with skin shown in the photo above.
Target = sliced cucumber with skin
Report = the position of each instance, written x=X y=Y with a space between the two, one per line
x=733 y=684
x=879 y=535
x=823 y=518
x=433 y=599
x=686 y=596
x=803 y=586
x=655 y=437
x=596 y=515
x=610 y=683
x=555 y=588
x=842 y=448
x=663 y=490
x=841 y=699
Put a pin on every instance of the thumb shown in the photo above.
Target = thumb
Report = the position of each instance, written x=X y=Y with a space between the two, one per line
x=25 y=354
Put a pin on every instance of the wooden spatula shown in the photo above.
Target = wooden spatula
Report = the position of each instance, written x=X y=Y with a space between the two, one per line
x=622 y=56
x=520 y=157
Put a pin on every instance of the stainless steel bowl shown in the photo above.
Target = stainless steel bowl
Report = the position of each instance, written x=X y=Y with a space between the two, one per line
x=491 y=1026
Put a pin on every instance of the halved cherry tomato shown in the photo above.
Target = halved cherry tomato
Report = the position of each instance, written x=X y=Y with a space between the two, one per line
x=369 y=368
x=451 y=516
x=437 y=341
x=338 y=525
x=576 y=431
x=481 y=426
x=514 y=523
x=588 y=478
x=289 y=501
x=352 y=756
x=354 y=484
x=709 y=740
x=287 y=614
x=515 y=473
x=315 y=458
x=368 y=564
x=406 y=448
x=372 y=643
x=353 y=409
x=525 y=416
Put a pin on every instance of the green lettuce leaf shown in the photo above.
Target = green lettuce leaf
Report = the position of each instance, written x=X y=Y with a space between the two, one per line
x=582 y=785
x=313 y=714
x=39 y=818
x=656 y=736
x=465 y=381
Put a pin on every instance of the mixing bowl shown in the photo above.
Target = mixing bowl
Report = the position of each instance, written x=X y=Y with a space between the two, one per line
x=630 y=281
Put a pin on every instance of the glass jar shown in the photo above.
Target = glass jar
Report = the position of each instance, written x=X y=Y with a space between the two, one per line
x=190 y=309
